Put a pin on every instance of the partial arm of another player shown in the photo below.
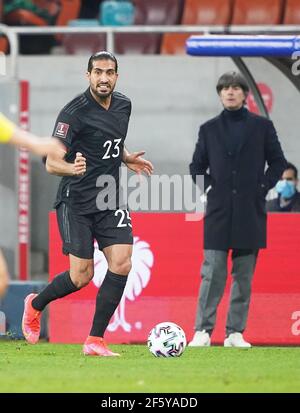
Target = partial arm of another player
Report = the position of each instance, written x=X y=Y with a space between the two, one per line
x=56 y=165
x=39 y=146
x=137 y=164
x=10 y=133
x=3 y=275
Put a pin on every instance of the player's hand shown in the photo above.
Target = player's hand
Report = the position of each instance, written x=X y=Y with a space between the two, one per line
x=79 y=164
x=138 y=164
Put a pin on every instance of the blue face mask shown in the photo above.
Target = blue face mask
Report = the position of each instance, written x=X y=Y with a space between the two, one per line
x=286 y=188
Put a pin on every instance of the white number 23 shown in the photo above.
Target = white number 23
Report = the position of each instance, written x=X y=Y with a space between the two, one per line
x=112 y=149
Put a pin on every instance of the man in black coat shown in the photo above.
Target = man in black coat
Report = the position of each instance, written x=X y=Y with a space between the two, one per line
x=231 y=153
x=288 y=199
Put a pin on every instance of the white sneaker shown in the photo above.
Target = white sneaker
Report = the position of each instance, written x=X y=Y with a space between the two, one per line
x=200 y=339
x=236 y=340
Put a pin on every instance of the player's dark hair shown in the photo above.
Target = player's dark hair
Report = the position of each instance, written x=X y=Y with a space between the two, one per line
x=293 y=168
x=103 y=55
x=232 y=79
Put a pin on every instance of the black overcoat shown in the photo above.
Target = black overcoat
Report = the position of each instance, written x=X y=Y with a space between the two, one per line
x=235 y=214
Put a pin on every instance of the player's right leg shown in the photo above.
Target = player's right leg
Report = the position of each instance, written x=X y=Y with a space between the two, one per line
x=78 y=243
x=116 y=243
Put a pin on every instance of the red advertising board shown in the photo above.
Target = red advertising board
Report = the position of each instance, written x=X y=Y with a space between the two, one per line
x=164 y=282
x=267 y=96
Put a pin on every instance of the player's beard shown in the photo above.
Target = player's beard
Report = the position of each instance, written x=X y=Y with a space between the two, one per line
x=103 y=96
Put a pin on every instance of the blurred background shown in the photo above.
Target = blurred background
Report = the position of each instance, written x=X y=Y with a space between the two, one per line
x=172 y=93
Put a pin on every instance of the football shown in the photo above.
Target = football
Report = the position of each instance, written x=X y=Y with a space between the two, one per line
x=166 y=340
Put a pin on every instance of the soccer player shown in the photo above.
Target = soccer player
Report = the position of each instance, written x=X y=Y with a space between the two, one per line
x=93 y=128
x=10 y=133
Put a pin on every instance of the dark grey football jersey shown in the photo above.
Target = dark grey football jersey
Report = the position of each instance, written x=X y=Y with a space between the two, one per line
x=99 y=134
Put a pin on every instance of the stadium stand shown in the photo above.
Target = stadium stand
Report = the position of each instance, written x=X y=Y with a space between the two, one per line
x=155 y=12
x=292 y=12
x=40 y=13
x=257 y=12
x=89 y=9
x=26 y=15
x=36 y=13
x=70 y=10
x=84 y=43
x=22 y=14
x=197 y=12
x=207 y=12
x=158 y=11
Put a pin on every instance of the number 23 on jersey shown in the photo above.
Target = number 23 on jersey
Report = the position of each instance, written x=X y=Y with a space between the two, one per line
x=111 y=148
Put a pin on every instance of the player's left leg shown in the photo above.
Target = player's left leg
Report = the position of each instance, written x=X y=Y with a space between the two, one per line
x=109 y=296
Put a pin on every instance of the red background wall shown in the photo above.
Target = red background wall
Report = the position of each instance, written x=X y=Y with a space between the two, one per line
x=171 y=292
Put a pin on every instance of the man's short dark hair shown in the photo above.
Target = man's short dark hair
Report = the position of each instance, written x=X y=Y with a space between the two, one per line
x=232 y=79
x=103 y=55
x=293 y=168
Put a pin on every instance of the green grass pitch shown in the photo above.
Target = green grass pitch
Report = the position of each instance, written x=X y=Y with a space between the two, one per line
x=62 y=368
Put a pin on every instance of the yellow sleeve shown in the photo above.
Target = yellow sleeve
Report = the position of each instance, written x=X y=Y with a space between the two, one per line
x=6 y=129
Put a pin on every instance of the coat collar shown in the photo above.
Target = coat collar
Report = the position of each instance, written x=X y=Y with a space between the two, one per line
x=222 y=131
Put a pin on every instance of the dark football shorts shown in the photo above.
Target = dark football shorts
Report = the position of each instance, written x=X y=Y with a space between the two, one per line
x=78 y=232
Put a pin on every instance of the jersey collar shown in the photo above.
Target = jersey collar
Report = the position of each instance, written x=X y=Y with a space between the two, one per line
x=91 y=98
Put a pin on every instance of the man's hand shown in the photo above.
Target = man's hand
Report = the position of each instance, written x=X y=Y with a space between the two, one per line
x=79 y=166
x=137 y=164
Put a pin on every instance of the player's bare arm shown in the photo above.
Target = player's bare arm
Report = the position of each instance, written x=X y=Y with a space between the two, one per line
x=3 y=275
x=39 y=146
x=10 y=133
x=56 y=165
x=136 y=163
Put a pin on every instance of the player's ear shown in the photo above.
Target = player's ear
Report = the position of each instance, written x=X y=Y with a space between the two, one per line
x=88 y=75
